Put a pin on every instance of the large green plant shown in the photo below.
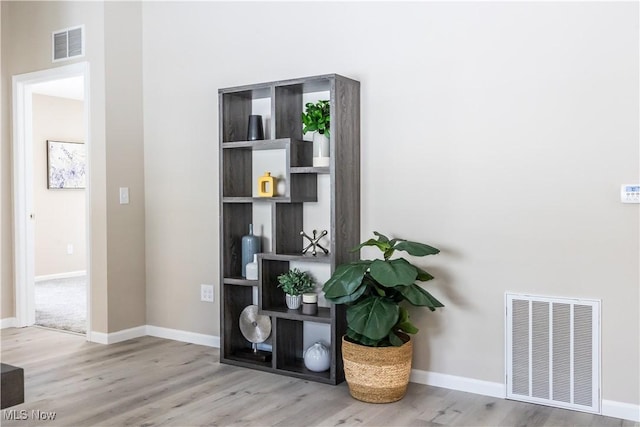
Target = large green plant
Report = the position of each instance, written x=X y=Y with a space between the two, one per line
x=316 y=118
x=374 y=289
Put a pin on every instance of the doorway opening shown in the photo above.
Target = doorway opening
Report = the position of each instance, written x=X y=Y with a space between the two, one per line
x=59 y=182
x=51 y=198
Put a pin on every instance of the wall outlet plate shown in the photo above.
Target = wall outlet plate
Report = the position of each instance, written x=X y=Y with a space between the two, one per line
x=206 y=293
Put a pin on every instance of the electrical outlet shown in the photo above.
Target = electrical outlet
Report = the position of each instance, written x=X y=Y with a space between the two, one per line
x=206 y=293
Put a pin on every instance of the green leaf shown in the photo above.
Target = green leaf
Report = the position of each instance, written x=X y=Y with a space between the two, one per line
x=423 y=276
x=394 y=339
x=408 y=327
x=373 y=317
x=388 y=252
x=361 y=339
x=418 y=296
x=416 y=249
x=404 y=323
x=345 y=280
x=393 y=273
x=351 y=297
x=371 y=242
x=381 y=237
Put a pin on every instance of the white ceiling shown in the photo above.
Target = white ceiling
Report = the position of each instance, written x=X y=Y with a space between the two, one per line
x=72 y=88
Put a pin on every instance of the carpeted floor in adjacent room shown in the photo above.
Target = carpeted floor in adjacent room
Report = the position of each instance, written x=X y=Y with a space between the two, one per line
x=62 y=304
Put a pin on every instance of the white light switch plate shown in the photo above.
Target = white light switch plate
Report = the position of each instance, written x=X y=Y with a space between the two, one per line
x=630 y=193
x=124 y=195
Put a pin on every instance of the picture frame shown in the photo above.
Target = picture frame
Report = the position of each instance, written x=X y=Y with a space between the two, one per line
x=66 y=165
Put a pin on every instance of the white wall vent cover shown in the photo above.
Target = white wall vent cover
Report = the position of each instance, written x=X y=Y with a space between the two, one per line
x=553 y=351
x=68 y=43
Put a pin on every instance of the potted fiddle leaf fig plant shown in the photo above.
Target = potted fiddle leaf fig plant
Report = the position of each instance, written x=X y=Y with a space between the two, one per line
x=294 y=283
x=317 y=118
x=378 y=323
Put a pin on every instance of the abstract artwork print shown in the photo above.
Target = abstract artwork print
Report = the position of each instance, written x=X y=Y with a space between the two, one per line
x=67 y=163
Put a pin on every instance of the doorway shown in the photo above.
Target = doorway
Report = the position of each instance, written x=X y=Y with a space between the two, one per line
x=56 y=254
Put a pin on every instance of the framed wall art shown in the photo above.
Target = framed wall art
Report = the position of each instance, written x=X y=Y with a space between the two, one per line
x=66 y=164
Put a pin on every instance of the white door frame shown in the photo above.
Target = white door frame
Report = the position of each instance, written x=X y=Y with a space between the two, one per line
x=24 y=254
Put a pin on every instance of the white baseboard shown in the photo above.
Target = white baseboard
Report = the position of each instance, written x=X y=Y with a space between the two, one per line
x=627 y=411
x=155 y=331
x=119 y=336
x=8 y=322
x=184 y=336
x=452 y=382
x=66 y=275
x=610 y=408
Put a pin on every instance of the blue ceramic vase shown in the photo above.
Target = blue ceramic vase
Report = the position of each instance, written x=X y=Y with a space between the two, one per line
x=250 y=247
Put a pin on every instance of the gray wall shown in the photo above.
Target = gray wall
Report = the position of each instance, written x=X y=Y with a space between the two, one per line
x=505 y=130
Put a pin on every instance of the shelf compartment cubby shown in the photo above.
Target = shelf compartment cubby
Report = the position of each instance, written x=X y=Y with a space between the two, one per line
x=237 y=104
x=236 y=218
x=271 y=299
x=236 y=181
x=234 y=345
x=290 y=350
x=287 y=239
x=240 y=175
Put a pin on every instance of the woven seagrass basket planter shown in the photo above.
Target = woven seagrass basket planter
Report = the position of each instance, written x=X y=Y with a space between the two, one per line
x=377 y=374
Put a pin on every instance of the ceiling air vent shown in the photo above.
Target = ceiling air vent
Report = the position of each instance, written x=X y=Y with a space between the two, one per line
x=68 y=43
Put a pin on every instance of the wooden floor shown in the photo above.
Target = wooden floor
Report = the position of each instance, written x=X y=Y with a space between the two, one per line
x=152 y=381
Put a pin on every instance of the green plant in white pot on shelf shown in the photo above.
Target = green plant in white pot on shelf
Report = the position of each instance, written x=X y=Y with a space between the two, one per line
x=317 y=119
x=377 y=324
x=294 y=283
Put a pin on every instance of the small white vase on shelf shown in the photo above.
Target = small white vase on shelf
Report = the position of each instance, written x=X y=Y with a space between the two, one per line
x=252 y=268
x=320 y=150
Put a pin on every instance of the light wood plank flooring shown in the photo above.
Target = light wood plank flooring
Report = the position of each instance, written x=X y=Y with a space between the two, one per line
x=151 y=381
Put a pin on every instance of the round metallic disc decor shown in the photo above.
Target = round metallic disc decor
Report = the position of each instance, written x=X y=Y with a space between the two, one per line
x=255 y=327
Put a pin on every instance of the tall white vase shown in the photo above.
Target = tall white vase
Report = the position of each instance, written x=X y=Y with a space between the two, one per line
x=320 y=150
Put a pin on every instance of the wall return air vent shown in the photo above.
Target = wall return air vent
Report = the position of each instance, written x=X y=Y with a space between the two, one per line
x=553 y=351
x=68 y=43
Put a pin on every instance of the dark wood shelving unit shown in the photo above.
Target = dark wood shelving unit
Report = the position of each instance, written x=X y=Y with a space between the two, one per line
x=284 y=100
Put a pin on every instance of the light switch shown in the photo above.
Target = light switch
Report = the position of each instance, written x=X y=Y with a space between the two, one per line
x=124 y=195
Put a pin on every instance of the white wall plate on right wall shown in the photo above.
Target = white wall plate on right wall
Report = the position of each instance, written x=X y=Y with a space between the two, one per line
x=630 y=193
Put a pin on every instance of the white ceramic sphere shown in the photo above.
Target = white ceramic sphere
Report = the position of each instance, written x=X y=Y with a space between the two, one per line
x=317 y=358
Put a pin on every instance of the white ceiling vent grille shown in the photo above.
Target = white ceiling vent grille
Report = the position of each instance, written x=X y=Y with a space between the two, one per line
x=68 y=43
x=553 y=351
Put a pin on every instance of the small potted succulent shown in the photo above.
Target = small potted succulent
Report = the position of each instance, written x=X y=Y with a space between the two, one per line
x=316 y=118
x=294 y=283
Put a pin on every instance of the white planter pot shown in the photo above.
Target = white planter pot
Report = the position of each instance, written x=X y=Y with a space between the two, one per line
x=293 y=301
x=320 y=150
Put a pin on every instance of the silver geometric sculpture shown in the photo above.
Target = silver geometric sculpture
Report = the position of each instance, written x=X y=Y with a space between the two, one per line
x=314 y=242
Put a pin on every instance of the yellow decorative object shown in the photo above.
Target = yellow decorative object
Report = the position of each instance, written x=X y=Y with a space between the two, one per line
x=266 y=185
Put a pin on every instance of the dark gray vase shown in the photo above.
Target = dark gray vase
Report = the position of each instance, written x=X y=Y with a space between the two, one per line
x=250 y=247
x=255 y=131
